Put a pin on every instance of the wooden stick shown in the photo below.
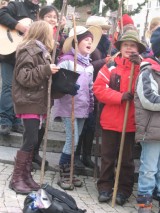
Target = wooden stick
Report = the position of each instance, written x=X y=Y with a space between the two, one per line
x=49 y=96
x=122 y=139
x=73 y=116
x=115 y=26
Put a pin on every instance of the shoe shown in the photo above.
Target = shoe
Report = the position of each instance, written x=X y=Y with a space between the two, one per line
x=144 y=210
x=121 y=199
x=88 y=162
x=5 y=129
x=38 y=160
x=78 y=163
x=19 y=128
x=104 y=196
x=155 y=196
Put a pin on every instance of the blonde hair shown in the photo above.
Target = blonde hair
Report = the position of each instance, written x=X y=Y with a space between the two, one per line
x=154 y=23
x=42 y=31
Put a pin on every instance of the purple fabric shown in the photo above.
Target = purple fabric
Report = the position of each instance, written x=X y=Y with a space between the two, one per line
x=83 y=101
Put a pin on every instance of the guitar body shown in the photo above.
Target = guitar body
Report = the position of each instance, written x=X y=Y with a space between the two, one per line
x=10 y=39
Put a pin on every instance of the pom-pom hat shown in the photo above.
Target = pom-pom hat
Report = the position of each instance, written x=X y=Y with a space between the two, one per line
x=94 y=30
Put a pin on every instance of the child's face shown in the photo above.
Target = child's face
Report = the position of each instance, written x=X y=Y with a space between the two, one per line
x=84 y=47
x=127 y=48
x=51 y=18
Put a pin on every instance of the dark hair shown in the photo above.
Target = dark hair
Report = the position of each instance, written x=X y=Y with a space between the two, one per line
x=47 y=9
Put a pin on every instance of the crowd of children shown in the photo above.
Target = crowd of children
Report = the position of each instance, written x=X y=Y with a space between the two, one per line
x=107 y=78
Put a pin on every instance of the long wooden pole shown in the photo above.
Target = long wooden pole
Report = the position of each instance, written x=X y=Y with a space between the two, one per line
x=122 y=139
x=49 y=96
x=115 y=26
x=73 y=116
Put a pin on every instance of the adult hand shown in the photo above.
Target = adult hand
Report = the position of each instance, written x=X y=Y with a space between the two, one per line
x=134 y=57
x=127 y=96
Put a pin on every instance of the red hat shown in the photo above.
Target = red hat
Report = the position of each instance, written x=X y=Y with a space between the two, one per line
x=126 y=19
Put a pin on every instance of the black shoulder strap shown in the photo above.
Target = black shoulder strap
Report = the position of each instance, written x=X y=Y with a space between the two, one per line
x=60 y=195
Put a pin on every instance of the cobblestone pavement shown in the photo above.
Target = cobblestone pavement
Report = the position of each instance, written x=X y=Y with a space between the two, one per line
x=86 y=196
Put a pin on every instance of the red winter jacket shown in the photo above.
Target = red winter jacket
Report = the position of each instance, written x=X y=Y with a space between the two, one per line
x=108 y=88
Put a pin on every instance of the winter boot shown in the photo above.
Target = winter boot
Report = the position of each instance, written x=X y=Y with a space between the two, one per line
x=64 y=181
x=37 y=160
x=144 y=203
x=87 y=147
x=18 y=181
x=29 y=179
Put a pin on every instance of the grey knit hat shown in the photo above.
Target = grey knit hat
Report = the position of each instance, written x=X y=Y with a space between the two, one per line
x=131 y=35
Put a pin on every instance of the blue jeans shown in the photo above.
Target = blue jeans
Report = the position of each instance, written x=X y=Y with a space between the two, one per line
x=149 y=172
x=78 y=126
x=7 y=115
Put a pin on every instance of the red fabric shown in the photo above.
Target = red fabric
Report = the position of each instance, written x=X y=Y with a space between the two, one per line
x=112 y=116
x=126 y=19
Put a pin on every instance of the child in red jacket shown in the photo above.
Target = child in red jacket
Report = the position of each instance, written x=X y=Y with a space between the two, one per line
x=111 y=89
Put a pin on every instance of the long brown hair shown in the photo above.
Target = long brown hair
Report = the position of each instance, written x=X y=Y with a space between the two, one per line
x=42 y=31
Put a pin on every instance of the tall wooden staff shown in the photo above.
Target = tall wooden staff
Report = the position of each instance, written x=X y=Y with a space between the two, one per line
x=119 y=13
x=49 y=95
x=122 y=139
x=72 y=116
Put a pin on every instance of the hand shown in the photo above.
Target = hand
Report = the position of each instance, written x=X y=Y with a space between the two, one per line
x=127 y=96
x=74 y=89
x=108 y=59
x=54 y=68
x=22 y=28
x=134 y=57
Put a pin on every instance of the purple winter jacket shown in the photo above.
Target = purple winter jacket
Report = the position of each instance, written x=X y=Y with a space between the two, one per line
x=83 y=101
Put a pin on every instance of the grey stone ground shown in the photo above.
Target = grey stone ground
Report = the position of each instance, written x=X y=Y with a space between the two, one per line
x=86 y=196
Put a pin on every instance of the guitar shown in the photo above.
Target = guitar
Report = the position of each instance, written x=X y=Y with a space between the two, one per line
x=10 y=39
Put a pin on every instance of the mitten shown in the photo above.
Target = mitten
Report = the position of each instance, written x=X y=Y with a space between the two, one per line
x=127 y=96
x=74 y=89
x=134 y=57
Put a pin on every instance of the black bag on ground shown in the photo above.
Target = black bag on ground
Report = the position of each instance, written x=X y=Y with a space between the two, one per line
x=64 y=82
x=50 y=200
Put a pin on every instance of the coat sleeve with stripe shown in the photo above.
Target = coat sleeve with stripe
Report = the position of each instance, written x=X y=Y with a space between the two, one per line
x=101 y=88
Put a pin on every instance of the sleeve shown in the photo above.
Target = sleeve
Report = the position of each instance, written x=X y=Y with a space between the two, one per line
x=7 y=15
x=147 y=91
x=101 y=88
x=27 y=73
x=91 y=106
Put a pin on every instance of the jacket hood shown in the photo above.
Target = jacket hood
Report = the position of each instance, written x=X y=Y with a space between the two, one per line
x=155 y=65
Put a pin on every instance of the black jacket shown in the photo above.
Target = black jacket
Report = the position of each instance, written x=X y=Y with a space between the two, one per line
x=10 y=15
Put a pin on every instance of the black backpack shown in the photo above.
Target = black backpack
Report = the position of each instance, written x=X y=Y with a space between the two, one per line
x=61 y=202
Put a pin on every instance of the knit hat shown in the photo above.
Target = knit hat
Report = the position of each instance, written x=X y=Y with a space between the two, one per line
x=130 y=35
x=98 y=21
x=155 y=41
x=126 y=19
x=94 y=30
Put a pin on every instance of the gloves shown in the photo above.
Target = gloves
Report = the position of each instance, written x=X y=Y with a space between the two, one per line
x=127 y=96
x=134 y=57
x=74 y=89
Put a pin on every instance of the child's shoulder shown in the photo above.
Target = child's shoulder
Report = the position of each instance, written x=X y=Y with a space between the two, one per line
x=66 y=57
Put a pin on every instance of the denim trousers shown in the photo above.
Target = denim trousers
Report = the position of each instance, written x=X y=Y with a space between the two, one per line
x=78 y=126
x=7 y=115
x=149 y=172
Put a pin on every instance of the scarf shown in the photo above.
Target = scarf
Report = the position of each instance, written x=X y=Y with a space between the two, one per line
x=46 y=54
x=83 y=59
